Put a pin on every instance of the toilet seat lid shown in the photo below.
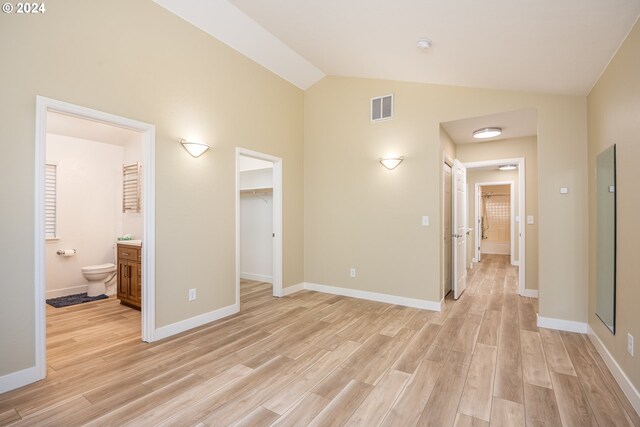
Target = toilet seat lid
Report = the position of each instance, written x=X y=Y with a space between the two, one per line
x=98 y=268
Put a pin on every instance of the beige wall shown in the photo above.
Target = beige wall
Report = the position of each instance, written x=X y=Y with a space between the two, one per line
x=358 y=214
x=614 y=118
x=447 y=144
x=136 y=59
x=512 y=148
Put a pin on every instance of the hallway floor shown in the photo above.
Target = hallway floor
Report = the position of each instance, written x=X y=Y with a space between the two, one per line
x=317 y=359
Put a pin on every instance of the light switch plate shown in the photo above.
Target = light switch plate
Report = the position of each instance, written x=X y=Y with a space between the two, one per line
x=612 y=189
x=529 y=219
x=425 y=220
x=564 y=190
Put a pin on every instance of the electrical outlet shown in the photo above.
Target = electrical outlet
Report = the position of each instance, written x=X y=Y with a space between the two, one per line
x=192 y=294
x=352 y=272
x=630 y=344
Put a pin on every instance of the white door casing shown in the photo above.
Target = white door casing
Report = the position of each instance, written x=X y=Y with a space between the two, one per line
x=459 y=228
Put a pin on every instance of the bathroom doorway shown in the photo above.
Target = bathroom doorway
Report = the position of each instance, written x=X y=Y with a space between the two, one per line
x=77 y=225
x=258 y=220
x=492 y=172
x=495 y=219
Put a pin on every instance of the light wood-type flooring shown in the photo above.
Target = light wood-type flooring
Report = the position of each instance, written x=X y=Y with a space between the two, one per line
x=323 y=360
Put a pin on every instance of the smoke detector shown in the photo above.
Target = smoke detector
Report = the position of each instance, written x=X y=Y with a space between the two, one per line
x=423 y=43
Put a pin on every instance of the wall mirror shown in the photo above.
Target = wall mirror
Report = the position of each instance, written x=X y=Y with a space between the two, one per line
x=606 y=237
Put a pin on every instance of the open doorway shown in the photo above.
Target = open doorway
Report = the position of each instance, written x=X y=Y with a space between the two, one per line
x=495 y=218
x=494 y=149
x=258 y=221
x=498 y=183
x=75 y=155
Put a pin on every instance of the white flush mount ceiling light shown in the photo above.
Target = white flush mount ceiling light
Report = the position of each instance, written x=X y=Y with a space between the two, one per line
x=196 y=149
x=487 y=133
x=507 y=167
x=423 y=43
x=391 y=162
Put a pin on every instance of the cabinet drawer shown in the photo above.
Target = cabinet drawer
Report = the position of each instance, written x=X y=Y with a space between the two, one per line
x=128 y=252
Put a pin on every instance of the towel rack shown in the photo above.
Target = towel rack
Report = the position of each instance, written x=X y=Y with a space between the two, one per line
x=131 y=187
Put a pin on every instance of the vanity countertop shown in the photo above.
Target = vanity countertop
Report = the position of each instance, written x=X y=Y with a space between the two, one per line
x=130 y=242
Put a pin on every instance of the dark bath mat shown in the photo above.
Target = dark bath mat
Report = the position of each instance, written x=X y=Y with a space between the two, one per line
x=68 y=300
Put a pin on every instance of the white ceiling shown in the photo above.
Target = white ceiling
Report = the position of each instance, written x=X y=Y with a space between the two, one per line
x=76 y=127
x=530 y=45
x=514 y=124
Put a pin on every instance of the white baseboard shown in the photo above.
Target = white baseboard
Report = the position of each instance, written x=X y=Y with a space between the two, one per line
x=474 y=260
x=562 y=325
x=624 y=382
x=194 y=322
x=374 y=296
x=531 y=293
x=257 y=277
x=292 y=289
x=18 y=379
x=515 y=263
x=73 y=290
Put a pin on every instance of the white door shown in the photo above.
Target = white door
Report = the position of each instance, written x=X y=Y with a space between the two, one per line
x=479 y=224
x=448 y=230
x=459 y=229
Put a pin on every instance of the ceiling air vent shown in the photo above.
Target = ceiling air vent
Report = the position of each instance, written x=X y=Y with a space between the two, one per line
x=382 y=108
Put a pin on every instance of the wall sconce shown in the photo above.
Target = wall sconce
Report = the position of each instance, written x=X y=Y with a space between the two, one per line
x=391 y=162
x=196 y=149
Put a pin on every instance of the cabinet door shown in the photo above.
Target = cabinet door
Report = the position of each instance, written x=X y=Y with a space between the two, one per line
x=139 y=283
x=123 y=280
x=134 y=281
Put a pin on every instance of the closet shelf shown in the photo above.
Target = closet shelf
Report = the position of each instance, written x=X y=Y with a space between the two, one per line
x=256 y=191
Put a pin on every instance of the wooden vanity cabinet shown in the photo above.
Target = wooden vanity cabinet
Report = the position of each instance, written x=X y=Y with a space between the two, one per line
x=129 y=275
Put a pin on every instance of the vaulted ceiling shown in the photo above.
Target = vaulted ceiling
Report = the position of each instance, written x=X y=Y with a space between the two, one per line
x=530 y=45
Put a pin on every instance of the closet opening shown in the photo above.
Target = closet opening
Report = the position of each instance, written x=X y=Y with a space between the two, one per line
x=258 y=222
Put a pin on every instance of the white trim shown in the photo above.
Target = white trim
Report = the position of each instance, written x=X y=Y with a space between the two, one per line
x=374 y=296
x=195 y=321
x=522 y=189
x=531 y=293
x=257 y=277
x=20 y=378
x=515 y=263
x=62 y=292
x=293 y=289
x=277 y=218
x=562 y=325
x=622 y=379
x=43 y=105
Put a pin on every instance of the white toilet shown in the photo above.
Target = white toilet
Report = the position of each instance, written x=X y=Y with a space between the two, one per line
x=98 y=275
